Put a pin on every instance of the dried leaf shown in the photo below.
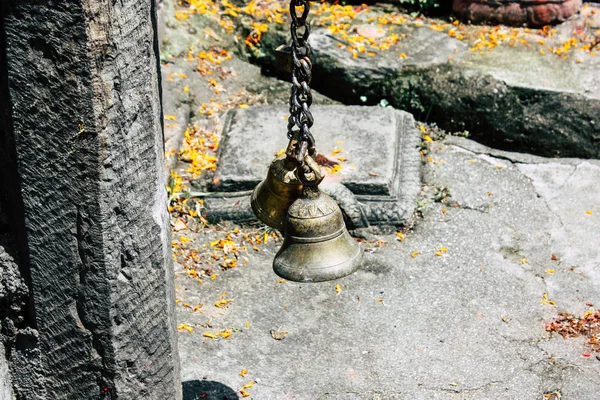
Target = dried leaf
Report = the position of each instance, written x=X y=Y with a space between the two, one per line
x=278 y=335
x=179 y=225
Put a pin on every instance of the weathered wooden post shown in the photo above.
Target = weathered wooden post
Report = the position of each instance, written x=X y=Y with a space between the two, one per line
x=80 y=97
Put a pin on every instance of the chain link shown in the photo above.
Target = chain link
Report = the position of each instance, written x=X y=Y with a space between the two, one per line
x=301 y=119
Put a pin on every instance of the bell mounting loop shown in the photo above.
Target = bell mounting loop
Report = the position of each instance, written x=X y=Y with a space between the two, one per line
x=317 y=246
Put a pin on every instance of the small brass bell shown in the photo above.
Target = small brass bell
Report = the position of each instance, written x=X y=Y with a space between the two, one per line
x=317 y=246
x=273 y=196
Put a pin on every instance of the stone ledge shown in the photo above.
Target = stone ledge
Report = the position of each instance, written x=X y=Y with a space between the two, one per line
x=510 y=97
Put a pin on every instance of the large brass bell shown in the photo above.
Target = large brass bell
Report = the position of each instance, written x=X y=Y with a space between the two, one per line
x=317 y=246
x=272 y=197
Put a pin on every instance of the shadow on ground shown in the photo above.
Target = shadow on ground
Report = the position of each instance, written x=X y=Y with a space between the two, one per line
x=207 y=390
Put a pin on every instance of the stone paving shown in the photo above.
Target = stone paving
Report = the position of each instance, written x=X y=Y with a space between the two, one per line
x=457 y=310
x=455 y=305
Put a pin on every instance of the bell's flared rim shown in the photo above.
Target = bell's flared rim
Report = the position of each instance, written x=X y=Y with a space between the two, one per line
x=312 y=272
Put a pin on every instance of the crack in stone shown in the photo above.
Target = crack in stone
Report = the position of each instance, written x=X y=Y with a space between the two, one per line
x=513 y=159
x=545 y=200
x=367 y=393
x=483 y=208
x=489 y=152
x=465 y=390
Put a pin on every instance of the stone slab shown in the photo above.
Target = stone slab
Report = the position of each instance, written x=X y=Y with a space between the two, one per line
x=377 y=184
x=367 y=136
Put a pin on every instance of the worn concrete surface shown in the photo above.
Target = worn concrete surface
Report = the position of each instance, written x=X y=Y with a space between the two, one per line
x=467 y=324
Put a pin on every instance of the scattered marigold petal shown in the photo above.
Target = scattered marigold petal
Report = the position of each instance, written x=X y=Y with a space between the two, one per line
x=181 y=16
x=222 y=303
x=243 y=372
x=546 y=300
x=185 y=326
x=184 y=239
x=415 y=253
x=338 y=288
x=224 y=334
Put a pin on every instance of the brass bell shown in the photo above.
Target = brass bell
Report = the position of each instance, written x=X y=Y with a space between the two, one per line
x=317 y=246
x=272 y=197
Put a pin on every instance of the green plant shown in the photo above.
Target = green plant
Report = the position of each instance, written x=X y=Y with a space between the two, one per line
x=422 y=6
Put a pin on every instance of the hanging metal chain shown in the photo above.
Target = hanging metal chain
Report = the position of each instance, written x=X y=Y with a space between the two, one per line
x=301 y=119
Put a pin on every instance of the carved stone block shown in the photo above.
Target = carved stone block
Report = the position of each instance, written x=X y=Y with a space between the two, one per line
x=376 y=150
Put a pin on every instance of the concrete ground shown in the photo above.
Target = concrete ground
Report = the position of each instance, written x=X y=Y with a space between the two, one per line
x=502 y=243
x=467 y=323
